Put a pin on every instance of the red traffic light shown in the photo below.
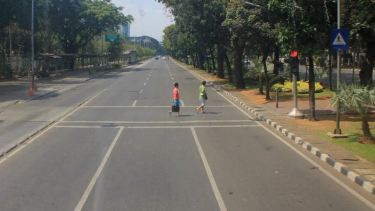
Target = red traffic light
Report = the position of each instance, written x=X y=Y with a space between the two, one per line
x=294 y=54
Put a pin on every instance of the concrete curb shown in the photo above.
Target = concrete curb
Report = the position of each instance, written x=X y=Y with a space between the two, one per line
x=368 y=186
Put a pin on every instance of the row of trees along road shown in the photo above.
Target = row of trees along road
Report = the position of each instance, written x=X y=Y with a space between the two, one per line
x=61 y=26
x=228 y=30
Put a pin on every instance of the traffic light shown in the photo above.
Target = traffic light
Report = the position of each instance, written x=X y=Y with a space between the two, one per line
x=294 y=63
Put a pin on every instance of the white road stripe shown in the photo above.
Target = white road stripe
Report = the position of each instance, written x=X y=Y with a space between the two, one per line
x=49 y=128
x=98 y=172
x=140 y=92
x=159 y=122
x=158 y=127
x=215 y=189
x=350 y=190
x=172 y=78
x=182 y=102
x=144 y=84
x=147 y=78
x=220 y=106
x=135 y=102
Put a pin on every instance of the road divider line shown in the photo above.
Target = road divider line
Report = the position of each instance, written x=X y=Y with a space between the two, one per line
x=140 y=92
x=47 y=128
x=144 y=84
x=98 y=172
x=215 y=189
x=219 y=106
x=155 y=127
x=159 y=122
x=346 y=187
x=182 y=102
x=135 y=102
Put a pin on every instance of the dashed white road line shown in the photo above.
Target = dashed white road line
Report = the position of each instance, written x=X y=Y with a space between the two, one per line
x=148 y=78
x=49 y=128
x=160 y=122
x=172 y=78
x=144 y=84
x=218 y=106
x=140 y=92
x=98 y=172
x=182 y=102
x=342 y=184
x=215 y=189
x=135 y=102
x=159 y=127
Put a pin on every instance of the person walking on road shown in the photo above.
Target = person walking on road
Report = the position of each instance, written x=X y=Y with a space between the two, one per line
x=175 y=100
x=202 y=96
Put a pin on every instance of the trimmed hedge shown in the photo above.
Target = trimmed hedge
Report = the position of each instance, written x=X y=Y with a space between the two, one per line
x=303 y=87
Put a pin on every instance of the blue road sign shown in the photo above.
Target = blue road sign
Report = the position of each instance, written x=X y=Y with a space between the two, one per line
x=340 y=39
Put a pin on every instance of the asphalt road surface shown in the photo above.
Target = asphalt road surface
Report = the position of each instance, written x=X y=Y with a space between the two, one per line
x=117 y=148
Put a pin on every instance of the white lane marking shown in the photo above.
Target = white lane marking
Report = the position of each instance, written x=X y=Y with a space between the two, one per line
x=49 y=128
x=159 y=122
x=182 y=102
x=135 y=102
x=147 y=78
x=219 y=106
x=160 y=127
x=98 y=172
x=172 y=78
x=140 y=92
x=144 y=84
x=350 y=190
x=215 y=189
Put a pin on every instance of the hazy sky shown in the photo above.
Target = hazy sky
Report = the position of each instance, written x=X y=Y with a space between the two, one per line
x=150 y=17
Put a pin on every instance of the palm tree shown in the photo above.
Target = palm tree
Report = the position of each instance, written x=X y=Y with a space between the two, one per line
x=359 y=99
x=257 y=71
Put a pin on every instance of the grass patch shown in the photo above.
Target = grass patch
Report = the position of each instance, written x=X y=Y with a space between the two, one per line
x=351 y=125
x=362 y=150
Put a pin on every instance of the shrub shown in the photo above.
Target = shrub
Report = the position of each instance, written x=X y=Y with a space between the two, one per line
x=303 y=87
x=117 y=65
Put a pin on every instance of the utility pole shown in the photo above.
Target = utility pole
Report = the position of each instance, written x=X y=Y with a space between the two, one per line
x=32 y=44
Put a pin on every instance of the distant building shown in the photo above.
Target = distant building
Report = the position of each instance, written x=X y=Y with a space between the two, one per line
x=124 y=29
x=127 y=29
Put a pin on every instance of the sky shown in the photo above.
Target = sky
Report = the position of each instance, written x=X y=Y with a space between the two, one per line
x=150 y=17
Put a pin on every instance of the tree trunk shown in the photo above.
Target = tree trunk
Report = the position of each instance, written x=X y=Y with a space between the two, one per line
x=238 y=65
x=366 y=128
x=365 y=74
x=220 y=62
x=266 y=76
x=312 y=116
x=213 y=59
x=330 y=70
x=261 y=84
x=276 y=66
x=201 y=61
x=229 y=68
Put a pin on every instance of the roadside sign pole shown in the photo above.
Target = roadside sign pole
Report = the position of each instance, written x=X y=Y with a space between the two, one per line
x=338 y=130
x=339 y=42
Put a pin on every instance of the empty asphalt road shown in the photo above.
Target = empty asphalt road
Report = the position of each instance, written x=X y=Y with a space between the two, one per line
x=116 y=147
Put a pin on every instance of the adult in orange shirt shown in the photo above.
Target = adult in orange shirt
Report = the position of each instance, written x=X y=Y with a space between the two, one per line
x=176 y=98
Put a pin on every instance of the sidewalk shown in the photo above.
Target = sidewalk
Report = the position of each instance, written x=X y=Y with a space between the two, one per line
x=355 y=168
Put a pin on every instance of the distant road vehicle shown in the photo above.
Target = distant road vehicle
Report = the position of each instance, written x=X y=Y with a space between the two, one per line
x=156 y=58
x=163 y=58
